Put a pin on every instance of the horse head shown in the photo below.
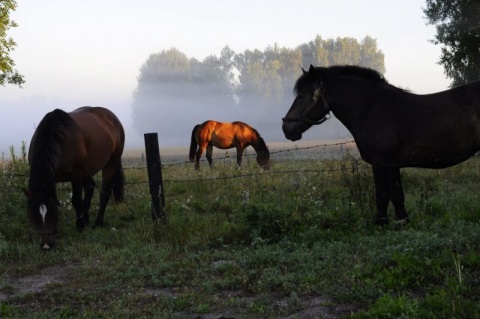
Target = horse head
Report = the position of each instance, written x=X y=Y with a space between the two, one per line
x=309 y=108
x=42 y=210
x=263 y=158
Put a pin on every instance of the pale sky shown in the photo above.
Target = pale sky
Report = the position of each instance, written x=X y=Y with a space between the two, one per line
x=89 y=52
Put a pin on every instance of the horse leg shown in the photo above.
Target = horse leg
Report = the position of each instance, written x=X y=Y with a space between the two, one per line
x=209 y=154
x=89 y=187
x=118 y=182
x=382 y=193
x=108 y=173
x=77 y=192
x=239 y=155
x=397 y=196
x=198 y=155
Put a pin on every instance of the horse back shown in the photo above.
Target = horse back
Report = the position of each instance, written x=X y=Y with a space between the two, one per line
x=225 y=135
x=430 y=130
x=96 y=139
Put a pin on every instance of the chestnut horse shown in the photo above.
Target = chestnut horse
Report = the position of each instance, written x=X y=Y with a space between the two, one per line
x=393 y=128
x=72 y=147
x=224 y=136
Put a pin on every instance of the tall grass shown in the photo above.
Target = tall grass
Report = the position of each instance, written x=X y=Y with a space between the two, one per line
x=250 y=243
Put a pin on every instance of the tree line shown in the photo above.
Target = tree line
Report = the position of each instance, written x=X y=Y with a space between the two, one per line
x=234 y=85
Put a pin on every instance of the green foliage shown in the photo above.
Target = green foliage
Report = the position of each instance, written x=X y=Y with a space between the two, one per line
x=171 y=84
x=458 y=30
x=7 y=72
x=13 y=177
x=268 y=223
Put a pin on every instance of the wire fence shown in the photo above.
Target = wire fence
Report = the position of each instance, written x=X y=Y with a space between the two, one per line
x=276 y=155
x=345 y=147
x=273 y=154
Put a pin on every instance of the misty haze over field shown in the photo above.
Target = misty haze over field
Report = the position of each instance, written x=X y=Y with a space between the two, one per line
x=172 y=121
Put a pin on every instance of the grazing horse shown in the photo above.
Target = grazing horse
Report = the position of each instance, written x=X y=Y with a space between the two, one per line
x=393 y=128
x=72 y=147
x=224 y=136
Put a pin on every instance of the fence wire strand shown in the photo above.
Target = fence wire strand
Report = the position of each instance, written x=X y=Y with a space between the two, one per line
x=263 y=173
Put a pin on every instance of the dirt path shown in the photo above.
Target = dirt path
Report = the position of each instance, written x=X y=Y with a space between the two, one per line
x=35 y=283
x=306 y=308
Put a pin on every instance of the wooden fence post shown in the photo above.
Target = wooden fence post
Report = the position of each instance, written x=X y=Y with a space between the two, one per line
x=154 y=167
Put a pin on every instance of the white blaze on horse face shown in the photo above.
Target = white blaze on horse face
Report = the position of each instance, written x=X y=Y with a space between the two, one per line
x=43 y=211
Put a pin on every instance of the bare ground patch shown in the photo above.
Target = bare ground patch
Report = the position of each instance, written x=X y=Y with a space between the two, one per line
x=292 y=306
x=35 y=283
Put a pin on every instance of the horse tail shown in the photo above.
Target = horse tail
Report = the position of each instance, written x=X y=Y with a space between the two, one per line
x=193 y=144
x=119 y=185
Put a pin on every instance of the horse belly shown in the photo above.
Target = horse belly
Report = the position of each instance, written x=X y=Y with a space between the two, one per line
x=222 y=141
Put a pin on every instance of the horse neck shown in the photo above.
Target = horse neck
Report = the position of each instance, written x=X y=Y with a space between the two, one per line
x=43 y=170
x=44 y=155
x=349 y=102
x=257 y=142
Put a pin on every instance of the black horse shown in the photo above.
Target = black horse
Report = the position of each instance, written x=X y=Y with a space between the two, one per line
x=392 y=127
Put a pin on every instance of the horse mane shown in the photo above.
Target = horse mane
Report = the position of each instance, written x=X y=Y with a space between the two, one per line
x=261 y=142
x=324 y=74
x=44 y=152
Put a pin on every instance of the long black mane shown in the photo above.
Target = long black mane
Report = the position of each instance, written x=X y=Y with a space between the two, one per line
x=45 y=150
x=324 y=74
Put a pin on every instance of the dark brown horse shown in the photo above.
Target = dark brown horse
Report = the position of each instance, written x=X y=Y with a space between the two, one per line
x=224 y=136
x=72 y=147
x=392 y=127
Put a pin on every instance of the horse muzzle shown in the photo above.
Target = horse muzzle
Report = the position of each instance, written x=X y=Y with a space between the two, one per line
x=293 y=130
x=47 y=241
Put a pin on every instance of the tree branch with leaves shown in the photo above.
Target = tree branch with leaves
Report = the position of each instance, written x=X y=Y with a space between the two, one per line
x=458 y=30
x=8 y=75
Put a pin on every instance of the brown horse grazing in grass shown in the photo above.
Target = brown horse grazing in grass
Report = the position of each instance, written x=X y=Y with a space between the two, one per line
x=393 y=128
x=72 y=147
x=224 y=136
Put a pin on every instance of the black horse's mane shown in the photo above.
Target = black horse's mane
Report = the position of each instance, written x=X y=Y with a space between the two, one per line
x=45 y=150
x=324 y=74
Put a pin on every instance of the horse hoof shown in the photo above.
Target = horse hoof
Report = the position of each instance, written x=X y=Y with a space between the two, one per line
x=382 y=221
x=401 y=223
x=98 y=225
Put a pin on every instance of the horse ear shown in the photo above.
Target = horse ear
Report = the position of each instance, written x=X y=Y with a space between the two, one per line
x=304 y=72
x=311 y=70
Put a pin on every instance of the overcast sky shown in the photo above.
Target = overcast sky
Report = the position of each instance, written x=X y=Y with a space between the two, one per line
x=89 y=52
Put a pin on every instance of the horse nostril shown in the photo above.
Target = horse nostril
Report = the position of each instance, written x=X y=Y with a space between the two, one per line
x=47 y=243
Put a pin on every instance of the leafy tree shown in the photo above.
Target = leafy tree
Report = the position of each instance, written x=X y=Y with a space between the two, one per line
x=171 y=85
x=370 y=56
x=160 y=76
x=7 y=72
x=254 y=86
x=329 y=52
x=458 y=30
x=265 y=75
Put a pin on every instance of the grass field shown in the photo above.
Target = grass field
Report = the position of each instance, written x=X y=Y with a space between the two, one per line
x=297 y=241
